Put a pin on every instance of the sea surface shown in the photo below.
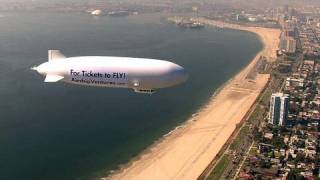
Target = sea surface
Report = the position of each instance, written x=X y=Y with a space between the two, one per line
x=63 y=131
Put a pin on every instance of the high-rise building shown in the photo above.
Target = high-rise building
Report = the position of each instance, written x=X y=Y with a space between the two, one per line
x=292 y=45
x=288 y=44
x=279 y=109
x=289 y=32
x=286 y=8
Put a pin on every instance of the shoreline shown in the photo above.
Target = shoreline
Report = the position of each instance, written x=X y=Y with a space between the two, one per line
x=191 y=119
x=185 y=152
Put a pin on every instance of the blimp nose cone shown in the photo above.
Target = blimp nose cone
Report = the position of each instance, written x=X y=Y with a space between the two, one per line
x=180 y=74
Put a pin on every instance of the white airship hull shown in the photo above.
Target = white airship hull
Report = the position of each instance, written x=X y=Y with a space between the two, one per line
x=142 y=75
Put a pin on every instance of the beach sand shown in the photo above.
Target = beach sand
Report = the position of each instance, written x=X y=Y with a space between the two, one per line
x=187 y=151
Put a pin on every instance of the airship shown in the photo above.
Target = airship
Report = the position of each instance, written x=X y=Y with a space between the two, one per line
x=140 y=74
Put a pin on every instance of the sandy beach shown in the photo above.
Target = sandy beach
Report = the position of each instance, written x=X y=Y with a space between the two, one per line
x=187 y=151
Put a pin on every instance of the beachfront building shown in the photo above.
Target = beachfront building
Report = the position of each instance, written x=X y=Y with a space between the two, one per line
x=288 y=44
x=279 y=109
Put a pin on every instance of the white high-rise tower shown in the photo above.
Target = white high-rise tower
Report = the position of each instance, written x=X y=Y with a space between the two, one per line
x=279 y=109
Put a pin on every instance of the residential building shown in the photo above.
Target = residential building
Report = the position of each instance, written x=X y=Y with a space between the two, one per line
x=279 y=109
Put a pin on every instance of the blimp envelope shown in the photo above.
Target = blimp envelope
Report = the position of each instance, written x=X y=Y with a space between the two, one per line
x=142 y=75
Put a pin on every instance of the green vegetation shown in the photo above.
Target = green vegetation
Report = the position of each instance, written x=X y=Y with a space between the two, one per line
x=257 y=114
x=264 y=100
x=295 y=174
x=219 y=168
x=242 y=134
x=253 y=151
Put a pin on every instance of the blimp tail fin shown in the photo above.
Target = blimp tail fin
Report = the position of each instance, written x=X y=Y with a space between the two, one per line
x=55 y=55
x=53 y=78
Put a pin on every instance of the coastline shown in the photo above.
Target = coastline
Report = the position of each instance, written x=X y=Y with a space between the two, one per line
x=186 y=151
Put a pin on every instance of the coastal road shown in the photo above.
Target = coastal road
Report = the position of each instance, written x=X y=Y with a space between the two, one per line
x=242 y=162
x=186 y=152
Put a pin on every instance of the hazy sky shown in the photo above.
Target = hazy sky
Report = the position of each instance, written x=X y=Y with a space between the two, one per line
x=276 y=2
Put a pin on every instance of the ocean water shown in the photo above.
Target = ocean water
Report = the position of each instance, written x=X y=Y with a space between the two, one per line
x=63 y=131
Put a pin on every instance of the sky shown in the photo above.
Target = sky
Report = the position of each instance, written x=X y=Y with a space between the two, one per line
x=180 y=1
